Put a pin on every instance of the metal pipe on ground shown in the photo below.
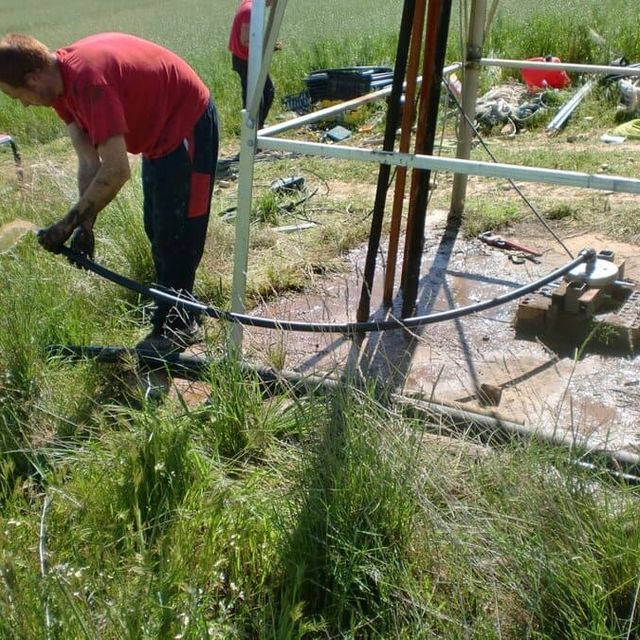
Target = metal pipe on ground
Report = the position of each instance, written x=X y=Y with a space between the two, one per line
x=439 y=418
x=494 y=431
x=560 y=119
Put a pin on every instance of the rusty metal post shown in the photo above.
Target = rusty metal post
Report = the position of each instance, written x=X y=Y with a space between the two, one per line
x=438 y=17
x=393 y=112
x=408 y=113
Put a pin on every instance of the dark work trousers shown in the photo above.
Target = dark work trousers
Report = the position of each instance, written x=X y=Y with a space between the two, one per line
x=177 y=192
x=241 y=67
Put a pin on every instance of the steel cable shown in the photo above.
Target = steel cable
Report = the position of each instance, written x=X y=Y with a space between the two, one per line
x=513 y=185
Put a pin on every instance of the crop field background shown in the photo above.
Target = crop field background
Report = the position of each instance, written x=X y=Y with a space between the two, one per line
x=317 y=34
x=284 y=518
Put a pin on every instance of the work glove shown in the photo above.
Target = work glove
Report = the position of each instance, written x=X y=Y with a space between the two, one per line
x=53 y=237
x=82 y=243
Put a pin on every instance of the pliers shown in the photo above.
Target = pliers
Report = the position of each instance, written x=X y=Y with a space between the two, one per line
x=494 y=240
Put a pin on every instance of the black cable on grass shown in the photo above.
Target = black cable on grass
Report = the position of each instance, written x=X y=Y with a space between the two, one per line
x=349 y=328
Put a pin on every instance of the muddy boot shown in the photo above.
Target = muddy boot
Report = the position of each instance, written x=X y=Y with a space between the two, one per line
x=184 y=335
x=157 y=343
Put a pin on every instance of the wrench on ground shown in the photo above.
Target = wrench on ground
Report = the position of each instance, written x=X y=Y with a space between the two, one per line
x=495 y=240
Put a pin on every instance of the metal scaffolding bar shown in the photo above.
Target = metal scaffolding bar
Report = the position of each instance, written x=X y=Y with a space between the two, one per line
x=259 y=60
x=618 y=184
x=565 y=66
x=261 y=47
x=322 y=114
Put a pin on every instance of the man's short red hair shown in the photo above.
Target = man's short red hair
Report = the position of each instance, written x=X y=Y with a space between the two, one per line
x=20 y=55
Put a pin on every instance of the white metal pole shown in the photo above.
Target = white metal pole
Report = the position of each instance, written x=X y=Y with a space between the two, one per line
x=245 y=176
x=469 y=94
x=256 y=43
x=243 y=218
x=259 y=61
x=617 y=184
x=276 y=15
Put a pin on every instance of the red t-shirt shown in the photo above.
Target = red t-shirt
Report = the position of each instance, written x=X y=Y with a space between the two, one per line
x=242 y=17
x=117 y=84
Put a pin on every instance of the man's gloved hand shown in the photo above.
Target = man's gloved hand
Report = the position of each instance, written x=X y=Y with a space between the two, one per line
x=53 y=237
x=83 y=242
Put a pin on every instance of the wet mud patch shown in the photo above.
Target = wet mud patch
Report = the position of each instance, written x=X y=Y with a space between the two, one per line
x=595 y=396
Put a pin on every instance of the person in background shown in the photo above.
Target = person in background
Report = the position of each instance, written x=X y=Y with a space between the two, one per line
x=239 y=48
x=120 y=94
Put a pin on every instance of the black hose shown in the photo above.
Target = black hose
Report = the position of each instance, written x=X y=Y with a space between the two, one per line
x=349 y=328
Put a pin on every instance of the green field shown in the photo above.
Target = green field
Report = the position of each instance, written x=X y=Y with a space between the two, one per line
x=318 y=34
x=230 y=514
x=314 y=34
x=195 y=29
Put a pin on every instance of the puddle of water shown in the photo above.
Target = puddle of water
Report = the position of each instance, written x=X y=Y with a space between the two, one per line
x=12 y=232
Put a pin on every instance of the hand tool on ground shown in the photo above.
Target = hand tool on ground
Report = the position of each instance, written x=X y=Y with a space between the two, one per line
x=521 y=258
x=495 y=240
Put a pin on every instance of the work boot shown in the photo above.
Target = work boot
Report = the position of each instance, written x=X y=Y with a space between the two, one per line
x=171 y=338
x=157 y=342
x=184 y=335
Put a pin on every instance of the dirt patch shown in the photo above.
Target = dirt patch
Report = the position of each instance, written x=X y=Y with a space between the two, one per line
x=596 y=396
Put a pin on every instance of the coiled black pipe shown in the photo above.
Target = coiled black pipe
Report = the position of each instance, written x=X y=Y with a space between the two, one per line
x=349 y=328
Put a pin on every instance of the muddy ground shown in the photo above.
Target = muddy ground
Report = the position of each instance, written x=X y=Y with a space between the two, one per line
x=539 y=383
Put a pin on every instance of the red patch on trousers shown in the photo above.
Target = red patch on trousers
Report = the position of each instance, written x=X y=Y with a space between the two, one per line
x=199 y=195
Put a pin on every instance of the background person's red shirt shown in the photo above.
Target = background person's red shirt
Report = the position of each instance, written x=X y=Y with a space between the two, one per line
x=118 y=84
x=242 y=17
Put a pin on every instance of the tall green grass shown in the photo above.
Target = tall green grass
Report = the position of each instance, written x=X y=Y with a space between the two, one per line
x=345 y=521
x=225 y=514
x=585 y=32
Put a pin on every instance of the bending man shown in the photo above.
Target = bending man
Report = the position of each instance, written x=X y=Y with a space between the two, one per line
x=121 y=94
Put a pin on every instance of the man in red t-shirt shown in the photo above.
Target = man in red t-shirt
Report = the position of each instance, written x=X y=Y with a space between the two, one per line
x=121 y=94
x=239 y=47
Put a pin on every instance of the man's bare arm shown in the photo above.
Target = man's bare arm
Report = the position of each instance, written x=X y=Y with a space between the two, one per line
x=112 y=174
x=88 y=158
